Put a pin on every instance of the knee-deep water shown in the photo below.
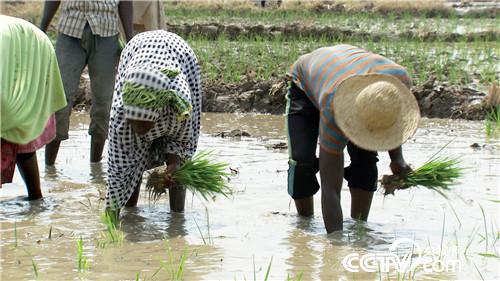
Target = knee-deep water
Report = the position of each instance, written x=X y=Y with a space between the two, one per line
x=236 y=238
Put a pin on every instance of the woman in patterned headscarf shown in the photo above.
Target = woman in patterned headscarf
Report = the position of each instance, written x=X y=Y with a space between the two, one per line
x=155 y=117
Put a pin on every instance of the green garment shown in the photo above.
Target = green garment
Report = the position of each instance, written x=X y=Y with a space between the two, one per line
x=30 y=83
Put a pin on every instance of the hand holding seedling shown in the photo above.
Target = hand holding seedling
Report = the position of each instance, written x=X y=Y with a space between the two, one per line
x=172 y=167
x=400 y=168
x=141 y=127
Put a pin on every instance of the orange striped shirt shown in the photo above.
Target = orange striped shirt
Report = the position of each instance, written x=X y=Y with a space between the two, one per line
x=320 y=72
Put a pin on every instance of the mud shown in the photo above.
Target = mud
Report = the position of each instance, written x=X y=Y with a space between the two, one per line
x=214 y=30
x=436 y=99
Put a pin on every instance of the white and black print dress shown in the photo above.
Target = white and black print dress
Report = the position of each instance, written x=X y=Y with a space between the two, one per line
x=129 y=154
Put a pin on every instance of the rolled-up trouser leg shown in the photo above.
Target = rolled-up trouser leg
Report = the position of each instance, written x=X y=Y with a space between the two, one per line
x=302 y=120
x=362 y=172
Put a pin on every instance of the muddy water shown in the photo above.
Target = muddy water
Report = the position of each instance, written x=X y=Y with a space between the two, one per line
x=241 y=234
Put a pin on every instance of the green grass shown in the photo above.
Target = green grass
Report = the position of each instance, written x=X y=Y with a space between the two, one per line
x=175 y=270
x=35 y=268
x=365 y=21
x=492 y=123
x=15 y=235
x=458 y=63
x=112 y=235
x=207 y=239
x=82 y=262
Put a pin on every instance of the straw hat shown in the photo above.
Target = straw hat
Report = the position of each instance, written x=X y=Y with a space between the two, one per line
x=375 y=112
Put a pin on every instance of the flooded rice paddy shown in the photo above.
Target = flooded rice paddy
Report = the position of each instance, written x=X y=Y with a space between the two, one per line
x=236 y=238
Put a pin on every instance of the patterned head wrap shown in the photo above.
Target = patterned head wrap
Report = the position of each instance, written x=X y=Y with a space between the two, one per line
x=149 y=88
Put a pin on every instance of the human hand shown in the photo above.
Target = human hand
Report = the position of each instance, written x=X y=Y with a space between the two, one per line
x=400 y=168
x=141 y=127
x=172 y=167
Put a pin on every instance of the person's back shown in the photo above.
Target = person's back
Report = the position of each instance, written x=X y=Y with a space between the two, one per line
x=31 y=91
x=320 y=72
x=348 y=97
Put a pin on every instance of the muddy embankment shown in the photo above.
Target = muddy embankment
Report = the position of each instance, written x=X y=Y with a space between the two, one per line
x=295 y=30
x=436 y=100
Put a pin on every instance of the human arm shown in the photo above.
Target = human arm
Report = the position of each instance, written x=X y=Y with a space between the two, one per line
x=125 y=10
x=49 y=10
x=331 y=168
x=398 y=165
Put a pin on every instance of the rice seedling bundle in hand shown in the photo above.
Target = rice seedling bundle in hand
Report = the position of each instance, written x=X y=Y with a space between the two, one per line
x=437 y=174
x=200 y=175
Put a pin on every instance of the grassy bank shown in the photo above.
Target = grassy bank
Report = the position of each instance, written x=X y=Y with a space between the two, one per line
x=474 y=64
x=366 y=21
x=255 y=58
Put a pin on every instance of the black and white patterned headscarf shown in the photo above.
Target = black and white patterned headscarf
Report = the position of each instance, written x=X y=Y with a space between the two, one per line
x=158 y=80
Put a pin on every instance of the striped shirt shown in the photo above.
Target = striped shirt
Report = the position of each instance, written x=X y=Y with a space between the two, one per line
x=320 y=72
x=102 y=17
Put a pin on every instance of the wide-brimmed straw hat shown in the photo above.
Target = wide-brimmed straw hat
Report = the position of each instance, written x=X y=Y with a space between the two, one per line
x=375 y=112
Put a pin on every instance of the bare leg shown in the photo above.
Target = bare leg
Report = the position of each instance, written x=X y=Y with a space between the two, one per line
x=28 y=167
x=96 y=148
x=176 y=197
x=361 y=201
x=331 y=171
x=132 y=202
x=305 y=206
x=51 y=150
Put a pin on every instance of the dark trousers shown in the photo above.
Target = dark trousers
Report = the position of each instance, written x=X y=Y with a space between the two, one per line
x=302 y=119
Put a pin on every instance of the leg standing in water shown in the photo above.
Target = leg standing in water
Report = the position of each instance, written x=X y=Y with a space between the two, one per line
x=94 y=44
x=32 y=91
x=148 y=132
x=363 y=102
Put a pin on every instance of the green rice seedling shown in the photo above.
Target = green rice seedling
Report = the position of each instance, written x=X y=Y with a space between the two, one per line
x=471 y=238
x=50 y=233
x=254 y=271
x=208 y=239
x=112 y=235
x=456 y=215
x=268 y=269
x=15 y=235
x=297 y=277
x=201 y=233
x=442 y=237
x=492 y=122
x=82 y=261
x=175 y=271
x=489 y=255
x=35 y=268
x=437 y=174
x=157 y=270
x=485 y=228
x=478 y=271
x=200 y=174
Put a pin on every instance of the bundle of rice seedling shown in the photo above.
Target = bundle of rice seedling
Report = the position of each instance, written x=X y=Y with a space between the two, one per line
x=199 y=174
x=437 y=174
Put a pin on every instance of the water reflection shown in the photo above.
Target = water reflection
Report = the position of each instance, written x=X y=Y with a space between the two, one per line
x=148 y=224
x=257 y=221
x=97 y=174
x=19 y=207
